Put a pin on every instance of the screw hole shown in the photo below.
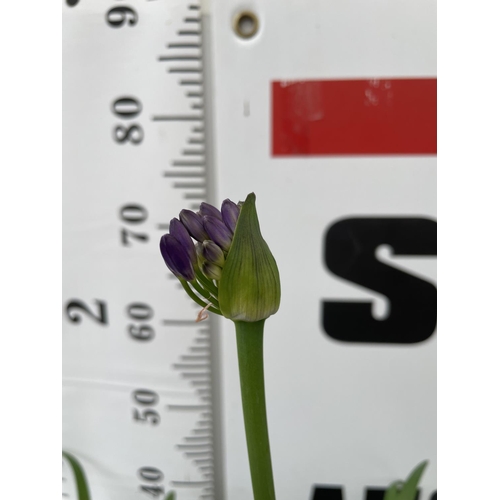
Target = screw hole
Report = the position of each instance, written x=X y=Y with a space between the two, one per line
x=246 y=24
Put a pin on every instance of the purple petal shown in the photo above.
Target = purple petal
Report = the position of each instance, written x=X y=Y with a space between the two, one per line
x=212 y=253
x=207 y=209
x=176 y=258
x=180 y=233
x=194 y=224
x=218 y=232
x=230 y=213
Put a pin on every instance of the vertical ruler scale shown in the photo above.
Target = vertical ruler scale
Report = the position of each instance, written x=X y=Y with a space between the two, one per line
x=139 y=409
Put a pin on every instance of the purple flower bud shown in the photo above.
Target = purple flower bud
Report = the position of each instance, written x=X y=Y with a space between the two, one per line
x=207 y=209
x=176 y=258
x=211 y=271
x=179 y=232
x=230 y=213
x=194 y=224
x=218 y=232
x=212 y=253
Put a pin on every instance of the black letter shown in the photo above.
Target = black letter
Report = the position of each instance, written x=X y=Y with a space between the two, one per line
x=350 y=254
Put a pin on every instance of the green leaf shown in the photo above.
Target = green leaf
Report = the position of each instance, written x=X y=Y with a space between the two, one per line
x=170 y=495
x=80 y=478
x=409 y=489
x=392 y=492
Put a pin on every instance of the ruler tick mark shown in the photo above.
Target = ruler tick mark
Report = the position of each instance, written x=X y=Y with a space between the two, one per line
x=179 y=58
x=189 y=33
x=188 y=407
x=188 y=163
x=183 y=174
x=185 y=70
x=177 y=118
x=179 y=322
x=184 y=46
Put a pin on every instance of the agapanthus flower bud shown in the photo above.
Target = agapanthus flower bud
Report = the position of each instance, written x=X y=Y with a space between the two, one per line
x=249 y=288
x=207 y=209
x=218 y=232
x=212 y=271
x=212 y=253
x=230 y=213
x=194 y=224
x=180 y=233
x=176 y=257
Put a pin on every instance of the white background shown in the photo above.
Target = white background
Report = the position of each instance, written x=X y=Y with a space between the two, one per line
x=467 y=135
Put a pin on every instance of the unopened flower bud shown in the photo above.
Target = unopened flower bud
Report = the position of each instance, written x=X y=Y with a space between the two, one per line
x=176 y=257
x=180 y=233
x=249 y=288
x=218 y=232
x=212 y=253
x=211 y=271
x=207 y=209
x=194 y=224
x=230 y=213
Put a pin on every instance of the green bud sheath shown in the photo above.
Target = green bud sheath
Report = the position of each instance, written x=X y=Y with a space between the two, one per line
x=249 y=288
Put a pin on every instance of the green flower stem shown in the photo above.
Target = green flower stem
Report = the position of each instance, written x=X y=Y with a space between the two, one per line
x=249 y=339
x=208 y=284
x=190 y=292
x=204 y=293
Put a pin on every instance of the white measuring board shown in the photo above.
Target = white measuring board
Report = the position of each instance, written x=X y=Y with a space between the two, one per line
x=351 y=415
x=141 y=407
x=137 y=374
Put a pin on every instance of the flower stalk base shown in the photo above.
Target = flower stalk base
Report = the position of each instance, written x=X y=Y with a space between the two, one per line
x=249 y=339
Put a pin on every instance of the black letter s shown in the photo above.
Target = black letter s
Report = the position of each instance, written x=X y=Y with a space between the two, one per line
x=350 y=254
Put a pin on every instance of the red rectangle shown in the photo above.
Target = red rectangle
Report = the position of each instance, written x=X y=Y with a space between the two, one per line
x=355 y=117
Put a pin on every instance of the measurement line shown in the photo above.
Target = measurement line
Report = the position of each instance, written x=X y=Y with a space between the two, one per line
x=194 y=484
x=200 y=382
x=194 y=152
x=185 y=70
x=188 y=163
x=194 y=7
x=198 y=348
x=192 y=20
x=188 y=407
x=197 y=438
x=183 y=45
x=196 y=446
x=191 y=82
x=177 y=118
x=203 y=423
x=197 y=106
x=198 y=453
x=195 y=196
x=194 y=366
x=202 y=431
x=204 y=331
x=194 y=94
x=204 y=391
x=195 y=375
x=190 y=185
x=183 y=174
x=189 y=33
x=179 y=58
x=194 y=357
x=202 y=340
x=198 y=129
x=179 y=322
